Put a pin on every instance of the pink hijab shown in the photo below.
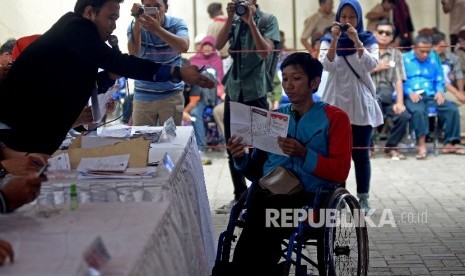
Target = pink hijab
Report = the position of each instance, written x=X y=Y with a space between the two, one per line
x=213 y=60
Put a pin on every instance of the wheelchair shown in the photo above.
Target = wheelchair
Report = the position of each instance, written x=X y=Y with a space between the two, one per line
x=341 y=242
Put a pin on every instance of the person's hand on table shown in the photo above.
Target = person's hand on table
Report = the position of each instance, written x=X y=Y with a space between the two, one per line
x=22 y=190
x=6 y=251
x=28 y=164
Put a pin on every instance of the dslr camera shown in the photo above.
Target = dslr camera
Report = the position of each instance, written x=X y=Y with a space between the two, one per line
x=343 y=27
x=241 y=7
x=147 y=10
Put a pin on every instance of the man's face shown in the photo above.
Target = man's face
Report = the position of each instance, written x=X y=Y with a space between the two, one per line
x=422 y=51
x=441 y=47
x=105 y=20
x=387 y=6
x=5 y=59
x=327 y=7
x=384 y=35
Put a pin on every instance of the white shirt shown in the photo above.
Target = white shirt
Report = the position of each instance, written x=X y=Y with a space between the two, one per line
x=357 y=97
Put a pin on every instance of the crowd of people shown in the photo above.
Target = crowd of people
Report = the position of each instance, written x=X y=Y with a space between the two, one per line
x=368 y=77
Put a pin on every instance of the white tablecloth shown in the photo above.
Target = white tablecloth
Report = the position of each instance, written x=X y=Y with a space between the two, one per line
x=163 y=227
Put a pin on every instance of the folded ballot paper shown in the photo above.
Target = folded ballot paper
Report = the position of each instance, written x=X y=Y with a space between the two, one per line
x=114 y=166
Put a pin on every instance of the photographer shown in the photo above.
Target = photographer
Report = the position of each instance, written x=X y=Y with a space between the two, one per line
x=349 y=54
x=155 y=36
x=246 y=80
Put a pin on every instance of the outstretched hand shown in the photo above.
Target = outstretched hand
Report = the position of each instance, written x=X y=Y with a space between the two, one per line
x=191 y=74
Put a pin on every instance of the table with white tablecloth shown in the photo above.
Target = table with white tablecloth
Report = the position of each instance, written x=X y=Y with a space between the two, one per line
x=157 y=226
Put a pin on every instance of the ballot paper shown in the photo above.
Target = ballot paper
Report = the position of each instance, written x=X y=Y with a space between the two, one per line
x=258 y=127
x=99 y=102
x=59 y=163
x=109 y=164
x=129 y=173
x=111 y=167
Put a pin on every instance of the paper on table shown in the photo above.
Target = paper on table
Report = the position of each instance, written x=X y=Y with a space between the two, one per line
x=114 y=163
x=138 y=149
x=59 y=163
x=89 y=142
x=259 y=127
x=129 y=173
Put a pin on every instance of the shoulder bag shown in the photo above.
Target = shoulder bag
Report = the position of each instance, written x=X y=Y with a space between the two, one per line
x=281 y=181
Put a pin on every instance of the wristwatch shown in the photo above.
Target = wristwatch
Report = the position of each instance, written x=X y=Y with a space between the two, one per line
x=176 y=75
x=3 y=171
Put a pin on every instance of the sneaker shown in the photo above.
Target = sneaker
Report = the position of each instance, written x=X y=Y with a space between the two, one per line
x=365 y=205
x=226 y=209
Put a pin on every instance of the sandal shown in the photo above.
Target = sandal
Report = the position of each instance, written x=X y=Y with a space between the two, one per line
x=422 y=155
x=395 y=155
x=453 y=150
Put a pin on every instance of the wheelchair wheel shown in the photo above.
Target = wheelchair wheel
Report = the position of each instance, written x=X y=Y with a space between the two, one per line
x=345 y=237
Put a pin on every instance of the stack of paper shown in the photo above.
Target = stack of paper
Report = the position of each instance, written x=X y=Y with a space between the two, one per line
x=115 y=166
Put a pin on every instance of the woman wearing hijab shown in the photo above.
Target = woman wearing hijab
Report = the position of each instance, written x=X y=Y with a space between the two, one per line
x=349 y=54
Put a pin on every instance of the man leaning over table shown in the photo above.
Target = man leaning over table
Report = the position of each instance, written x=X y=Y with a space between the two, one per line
x=57 y=75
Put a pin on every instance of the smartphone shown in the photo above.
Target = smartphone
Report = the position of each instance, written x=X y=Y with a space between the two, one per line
x=42 y=171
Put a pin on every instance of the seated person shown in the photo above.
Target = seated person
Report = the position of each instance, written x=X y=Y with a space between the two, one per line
x=424 y=89
x=390 y=74
x=318 y=149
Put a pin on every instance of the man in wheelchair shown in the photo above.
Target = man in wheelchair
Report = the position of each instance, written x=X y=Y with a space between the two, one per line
x=318 y=149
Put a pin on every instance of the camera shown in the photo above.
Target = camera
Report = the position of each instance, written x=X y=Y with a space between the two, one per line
x=343 y=27
x=241 y=7
x=147 y=10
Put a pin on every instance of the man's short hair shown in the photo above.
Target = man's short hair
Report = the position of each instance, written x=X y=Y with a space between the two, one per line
x=437 y=37
x=214 y=9
x=385 y=22
x=426 y=39
x=96 y=4
x=7 y=47
x=312 y=67
x=390 y=1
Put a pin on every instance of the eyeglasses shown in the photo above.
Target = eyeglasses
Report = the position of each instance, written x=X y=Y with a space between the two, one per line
x=387 y=33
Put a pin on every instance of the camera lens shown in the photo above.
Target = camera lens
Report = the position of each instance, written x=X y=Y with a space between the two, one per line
x=241 y=9
x=344 y=27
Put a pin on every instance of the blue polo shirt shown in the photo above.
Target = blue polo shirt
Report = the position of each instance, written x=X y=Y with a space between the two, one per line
x=426 y=75
x=155 y=49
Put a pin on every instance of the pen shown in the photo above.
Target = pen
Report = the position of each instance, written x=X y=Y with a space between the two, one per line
x=201 y=69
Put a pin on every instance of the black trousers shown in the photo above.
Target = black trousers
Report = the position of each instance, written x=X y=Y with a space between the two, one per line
x=237 y=178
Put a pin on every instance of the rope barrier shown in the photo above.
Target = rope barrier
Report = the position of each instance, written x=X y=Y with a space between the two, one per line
x=356 y=148
x=401 y=48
